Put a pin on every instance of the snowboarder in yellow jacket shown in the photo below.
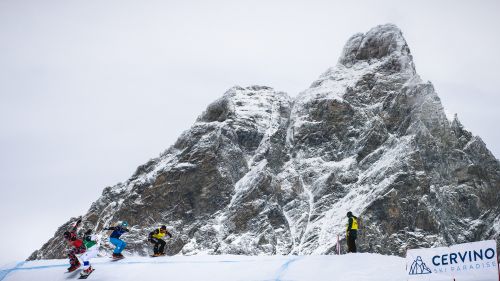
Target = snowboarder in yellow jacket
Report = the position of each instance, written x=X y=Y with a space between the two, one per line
x=155 y=237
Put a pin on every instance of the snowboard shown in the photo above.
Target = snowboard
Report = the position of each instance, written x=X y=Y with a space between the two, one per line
x=85 y=276
x=117 y=259
x=153 y=256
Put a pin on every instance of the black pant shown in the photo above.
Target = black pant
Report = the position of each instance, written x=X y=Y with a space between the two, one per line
x=351 y=241
x=159 y=245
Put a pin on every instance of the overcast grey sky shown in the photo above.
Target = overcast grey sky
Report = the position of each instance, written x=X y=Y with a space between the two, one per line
x=90 y=89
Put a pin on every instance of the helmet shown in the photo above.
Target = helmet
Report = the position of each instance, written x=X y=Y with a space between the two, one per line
x=163 y=227
x=349 y=214
x=69 y=235
x=124 y=223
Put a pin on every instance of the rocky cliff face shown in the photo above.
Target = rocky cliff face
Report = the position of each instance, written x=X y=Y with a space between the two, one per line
x=261 y=173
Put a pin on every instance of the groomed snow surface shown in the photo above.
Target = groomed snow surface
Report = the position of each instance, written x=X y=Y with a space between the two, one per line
x=352 y=267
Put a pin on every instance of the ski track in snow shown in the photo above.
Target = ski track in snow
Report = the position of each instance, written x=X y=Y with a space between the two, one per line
x=284 y=268
x=221 y=268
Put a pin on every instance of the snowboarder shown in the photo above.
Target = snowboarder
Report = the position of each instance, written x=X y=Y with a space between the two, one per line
x=114 y=238
x=77 y=246
x=352 y=232
x=155 y=237
x=92 y=246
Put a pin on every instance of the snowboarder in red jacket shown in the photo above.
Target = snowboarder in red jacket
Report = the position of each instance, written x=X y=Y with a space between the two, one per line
x=77 y=246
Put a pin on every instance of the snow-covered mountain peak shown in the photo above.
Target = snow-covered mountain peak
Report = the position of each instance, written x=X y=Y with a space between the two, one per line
x=251 y=103
x=379 y=43
x=379 y=57
x=260 y=173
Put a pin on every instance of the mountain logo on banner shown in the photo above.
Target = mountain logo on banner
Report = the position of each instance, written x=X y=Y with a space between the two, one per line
x=418 y=267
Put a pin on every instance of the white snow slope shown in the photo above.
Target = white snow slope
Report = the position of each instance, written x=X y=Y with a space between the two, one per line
x=352 y=267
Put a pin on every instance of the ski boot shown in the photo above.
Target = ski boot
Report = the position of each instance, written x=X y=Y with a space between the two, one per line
x=118 y=256
x=87 y=271
x=74 y=267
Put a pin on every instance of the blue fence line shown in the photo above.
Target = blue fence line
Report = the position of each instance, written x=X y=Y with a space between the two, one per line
x=5 y=272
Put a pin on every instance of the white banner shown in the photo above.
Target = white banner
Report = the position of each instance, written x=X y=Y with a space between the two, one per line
x=463 y=262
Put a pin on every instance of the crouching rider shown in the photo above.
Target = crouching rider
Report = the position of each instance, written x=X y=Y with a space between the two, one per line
x=77 y=246
x=155 y=237
x=92 y=245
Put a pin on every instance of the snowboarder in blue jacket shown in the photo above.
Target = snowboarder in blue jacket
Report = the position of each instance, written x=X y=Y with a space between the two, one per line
x=114 y=238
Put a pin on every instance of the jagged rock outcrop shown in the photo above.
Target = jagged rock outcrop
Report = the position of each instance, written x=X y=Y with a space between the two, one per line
x=260 y=173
